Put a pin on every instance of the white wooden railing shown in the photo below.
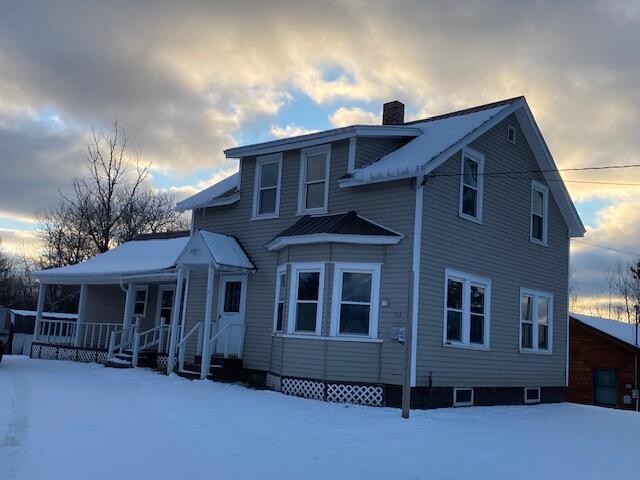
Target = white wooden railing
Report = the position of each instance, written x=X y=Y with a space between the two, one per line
x=121 y=339
x=97 y=335
x=227 y=330
x=196 y=331
x=156 y=336
x=57 y=332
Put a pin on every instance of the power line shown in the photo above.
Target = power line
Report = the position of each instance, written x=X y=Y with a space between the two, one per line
x=550 y=170
x=606 y=247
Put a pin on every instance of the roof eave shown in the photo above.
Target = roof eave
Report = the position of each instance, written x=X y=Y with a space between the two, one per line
x=214 y=202
x=315 y=238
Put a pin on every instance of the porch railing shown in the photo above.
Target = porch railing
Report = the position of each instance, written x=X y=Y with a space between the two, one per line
x=57 y=332
x=97 y=335
x=156 y=336
x=122 y=338
x=226 y=332
x=197 y=333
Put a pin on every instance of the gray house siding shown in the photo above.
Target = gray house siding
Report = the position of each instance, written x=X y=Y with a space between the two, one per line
x=371 y=149
x=498 y=249
x=391 y=205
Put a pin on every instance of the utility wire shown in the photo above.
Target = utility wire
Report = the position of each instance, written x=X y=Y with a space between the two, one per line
x=554 y=170
x=606 y=247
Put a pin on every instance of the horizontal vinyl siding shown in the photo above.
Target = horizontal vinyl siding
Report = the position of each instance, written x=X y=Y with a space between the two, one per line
x=105 y=304
x=369 y=150
x=391 y=205
x=498 y=249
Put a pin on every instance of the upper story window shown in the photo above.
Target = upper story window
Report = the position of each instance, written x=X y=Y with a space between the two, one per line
x=305 y=304
x=471 y=185
x=266 y=192
x=511 y=134
x=536 y=319
x=467 y=307
x=539 y=212
x=313 y=192
x=355 y=299
x=281 y=288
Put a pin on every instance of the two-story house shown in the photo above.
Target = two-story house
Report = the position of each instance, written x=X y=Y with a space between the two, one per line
x=324 y=249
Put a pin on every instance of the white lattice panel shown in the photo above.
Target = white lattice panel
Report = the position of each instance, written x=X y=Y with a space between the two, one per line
x=303 y=388
x=48 y=352
x=66 y=353
x=101 y=356
x=274 y=382
x=35 y=351
x=86 y=356
x=161 y=362
x=361 y=394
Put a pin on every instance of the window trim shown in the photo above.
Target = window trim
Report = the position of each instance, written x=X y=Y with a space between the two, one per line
x=141 y=288
x=260 y=162
x=339 y=268
x=296 y=269
x=544 y=189
x=534 y=317
x=593 y=387
x=477 y=157
x=537 y=400
x=302 y=190
x=462 y=404
x=281 y=270
x=467 y=280
x=510 y=129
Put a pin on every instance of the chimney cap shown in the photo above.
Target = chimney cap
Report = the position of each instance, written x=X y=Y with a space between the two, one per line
x=393 y=113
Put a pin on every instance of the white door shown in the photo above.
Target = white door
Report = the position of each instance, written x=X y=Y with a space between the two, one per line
x=231 y=306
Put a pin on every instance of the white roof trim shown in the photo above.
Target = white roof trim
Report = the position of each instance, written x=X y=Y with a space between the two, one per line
x=327 y=136
x=223 y=251
x=212 y=196
x=281 y=242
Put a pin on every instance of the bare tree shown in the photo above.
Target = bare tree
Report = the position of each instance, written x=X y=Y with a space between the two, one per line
x=111 y=204
x=5 y=277
x=624 y=283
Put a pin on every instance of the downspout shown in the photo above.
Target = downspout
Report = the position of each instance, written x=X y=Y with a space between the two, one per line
x=415 y=268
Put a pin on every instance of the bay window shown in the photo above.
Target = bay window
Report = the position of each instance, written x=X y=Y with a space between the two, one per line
x=467 y=307
x=281 y=287
x=536 y=312
x=355 y=298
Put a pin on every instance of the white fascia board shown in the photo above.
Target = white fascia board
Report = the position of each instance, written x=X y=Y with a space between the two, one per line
x=109 y=279
x=216 y=202
x=554 y=180
x=320 y=138
x=442 y=157
x=282 y=242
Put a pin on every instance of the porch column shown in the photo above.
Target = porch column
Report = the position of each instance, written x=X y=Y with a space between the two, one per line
x=128 y=310
x=41 y=293
x=206 y=346
x=82 y=302
x=175 y=315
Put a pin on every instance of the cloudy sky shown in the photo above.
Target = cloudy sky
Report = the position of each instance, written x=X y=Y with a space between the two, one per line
x=188 y=79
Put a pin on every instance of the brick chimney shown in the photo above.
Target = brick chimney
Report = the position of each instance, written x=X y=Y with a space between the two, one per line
x=393 y=113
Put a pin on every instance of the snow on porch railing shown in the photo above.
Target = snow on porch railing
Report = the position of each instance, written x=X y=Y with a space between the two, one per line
x=97 y=335
x=196 y=331
x=56 y=332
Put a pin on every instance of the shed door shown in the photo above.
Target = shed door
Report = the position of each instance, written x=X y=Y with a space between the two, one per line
x=605 y=387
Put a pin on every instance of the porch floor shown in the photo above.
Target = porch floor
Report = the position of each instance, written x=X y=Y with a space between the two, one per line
x=69 y=420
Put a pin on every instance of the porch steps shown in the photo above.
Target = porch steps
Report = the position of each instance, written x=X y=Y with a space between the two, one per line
x=124 y=359
x=221 y=369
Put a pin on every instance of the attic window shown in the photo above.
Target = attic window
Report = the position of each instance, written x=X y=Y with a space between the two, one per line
x=511 y=134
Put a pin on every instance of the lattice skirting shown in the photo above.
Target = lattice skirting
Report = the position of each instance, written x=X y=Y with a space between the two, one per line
x=371 y=395
x=45 y=351
x=161 y=361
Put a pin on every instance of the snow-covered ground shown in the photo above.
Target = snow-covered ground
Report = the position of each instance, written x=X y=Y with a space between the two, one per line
x=64 y=420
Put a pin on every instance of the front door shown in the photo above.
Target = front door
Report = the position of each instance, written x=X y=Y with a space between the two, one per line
x=231 y=306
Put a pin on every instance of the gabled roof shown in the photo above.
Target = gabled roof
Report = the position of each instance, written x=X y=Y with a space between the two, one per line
x=346 y=227
x=137 y=257
x=223 y=251
x=623 y=331
x=444 y=135
x=225 y=192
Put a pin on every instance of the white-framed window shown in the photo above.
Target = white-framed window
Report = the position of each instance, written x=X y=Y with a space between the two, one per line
x=539 y=212
x=536 y=321
x=281 y=288
x=463 y=397
x=467 y=307
x=313 y=192
x=355 y=299
x=471 y=185
x=140 y=304
x=305 y=303
x=266 y=190
x=511 y=134
x=532 y=395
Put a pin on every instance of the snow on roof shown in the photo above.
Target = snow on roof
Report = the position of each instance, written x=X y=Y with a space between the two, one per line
x=209 y=195
x=621 y=330
x=33 y=313
x=224 y=250
x=132 y=258
x=438 y=134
